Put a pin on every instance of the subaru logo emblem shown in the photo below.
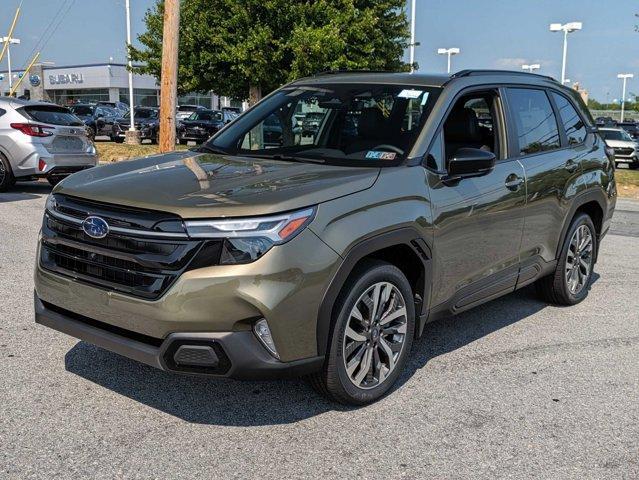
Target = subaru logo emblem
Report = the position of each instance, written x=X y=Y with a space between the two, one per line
x=95 y=227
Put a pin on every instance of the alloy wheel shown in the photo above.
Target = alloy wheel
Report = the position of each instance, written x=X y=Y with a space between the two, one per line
x=375 y=335
x=579 y=260
x=3 y=172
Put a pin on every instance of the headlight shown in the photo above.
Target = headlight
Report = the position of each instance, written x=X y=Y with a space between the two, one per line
x=51 y=205
x=247 y=239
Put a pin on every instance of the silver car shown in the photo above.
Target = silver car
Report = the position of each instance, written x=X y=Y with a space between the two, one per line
x=41 y=140
x=625 y=147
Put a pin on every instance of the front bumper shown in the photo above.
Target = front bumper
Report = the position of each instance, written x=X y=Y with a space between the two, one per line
x=240 y=355
x=120 y=132
x=285 y=287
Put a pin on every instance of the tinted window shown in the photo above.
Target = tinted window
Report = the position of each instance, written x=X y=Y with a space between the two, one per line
x=574 y=126
x=536 y=123
x=616 y=135
x=52 y=115
x=82 y=110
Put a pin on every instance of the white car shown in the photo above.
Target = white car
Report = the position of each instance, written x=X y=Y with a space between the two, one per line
x=41 y=140
x=625 y=147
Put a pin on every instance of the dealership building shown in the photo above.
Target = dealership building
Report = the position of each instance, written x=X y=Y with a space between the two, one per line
x=98 y=82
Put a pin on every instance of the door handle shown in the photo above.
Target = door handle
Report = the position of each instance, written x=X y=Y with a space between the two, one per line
x=513 y=182
x=571 y=166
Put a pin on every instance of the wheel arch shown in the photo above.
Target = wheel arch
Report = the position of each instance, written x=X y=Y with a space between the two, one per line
x=406 y=249
x=593 y=203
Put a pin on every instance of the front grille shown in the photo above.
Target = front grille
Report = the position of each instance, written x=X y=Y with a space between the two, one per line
x=623 y=151
x=130 y=263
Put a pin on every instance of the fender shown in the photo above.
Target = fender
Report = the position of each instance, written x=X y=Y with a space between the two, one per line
x=403 y=236
x=581 y=199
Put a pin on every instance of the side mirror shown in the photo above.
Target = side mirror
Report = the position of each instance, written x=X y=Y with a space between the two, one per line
x=470 y=162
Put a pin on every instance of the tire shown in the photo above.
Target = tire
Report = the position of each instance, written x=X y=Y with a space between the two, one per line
x=345 y=386
x=118 y=140
x=555 y=288
x=91 y=133
x=7 y=180
x=53 y=181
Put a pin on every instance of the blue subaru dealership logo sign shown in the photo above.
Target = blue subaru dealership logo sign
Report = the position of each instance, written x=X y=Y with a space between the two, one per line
x=95 y=227
x=34 y=80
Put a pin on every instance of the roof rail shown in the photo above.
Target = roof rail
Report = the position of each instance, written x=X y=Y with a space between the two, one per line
x=339 y=71
x=472 y=73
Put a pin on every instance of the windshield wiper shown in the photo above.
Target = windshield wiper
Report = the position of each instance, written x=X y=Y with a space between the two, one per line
x=206 y=148
x=285 y=158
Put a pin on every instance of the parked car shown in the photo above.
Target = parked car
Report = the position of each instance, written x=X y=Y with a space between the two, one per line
x=41 y=140
x=185 y=111
x=121 y=107
x=202 y=124
x=631 y=127
x=311 y=123
x=326 y=257
x=146 y=120
x=625 y=147
x=605 y=122
x=98 y=119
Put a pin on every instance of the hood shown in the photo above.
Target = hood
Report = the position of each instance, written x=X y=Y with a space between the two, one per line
x=201 y=123
x=199 y=185
x=621 y=143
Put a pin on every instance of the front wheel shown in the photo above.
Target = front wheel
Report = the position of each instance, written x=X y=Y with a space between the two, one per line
x=571 y=280
x=372 y=335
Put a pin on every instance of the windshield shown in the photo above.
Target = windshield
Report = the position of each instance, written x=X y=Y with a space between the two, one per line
x=82 y=110
x=616 y=135
x=206 y=116
x=52 y=115
x=344 y=124
x=145 y=114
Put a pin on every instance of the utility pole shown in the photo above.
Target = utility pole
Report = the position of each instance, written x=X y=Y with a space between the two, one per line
x=132 y=136
x=168 y=84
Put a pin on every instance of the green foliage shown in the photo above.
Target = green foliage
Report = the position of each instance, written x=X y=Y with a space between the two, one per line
x=229 y=46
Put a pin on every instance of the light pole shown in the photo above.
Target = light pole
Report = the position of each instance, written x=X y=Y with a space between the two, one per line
x=566 y=28
x=132 y=136
x=624 y=77
x=10 y=41
x=413 y=43
x=531 y=68
x=449 y=52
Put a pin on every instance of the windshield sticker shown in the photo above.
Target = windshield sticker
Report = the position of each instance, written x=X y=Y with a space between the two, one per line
x=409 y=93
x=372 y=154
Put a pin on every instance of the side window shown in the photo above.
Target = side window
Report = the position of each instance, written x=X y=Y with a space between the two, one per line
x=535 y=120
x=573 y=125
x=471 y=124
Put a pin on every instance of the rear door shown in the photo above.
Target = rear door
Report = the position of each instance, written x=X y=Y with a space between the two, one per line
x=551 y=156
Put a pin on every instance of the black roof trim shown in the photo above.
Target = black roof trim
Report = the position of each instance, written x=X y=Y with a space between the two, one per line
x=472 y=73
x=339 y=72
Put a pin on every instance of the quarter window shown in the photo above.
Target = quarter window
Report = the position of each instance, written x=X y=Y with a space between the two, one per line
x=573 y=125
x=536 y=123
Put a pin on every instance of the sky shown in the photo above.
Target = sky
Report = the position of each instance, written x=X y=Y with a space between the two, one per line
x=490 y=33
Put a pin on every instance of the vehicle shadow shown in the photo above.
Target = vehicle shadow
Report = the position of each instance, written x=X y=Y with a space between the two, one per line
x=233 y=403
x=25 y=191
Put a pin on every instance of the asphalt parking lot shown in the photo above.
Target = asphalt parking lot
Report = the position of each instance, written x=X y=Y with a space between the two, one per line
x=512 y=389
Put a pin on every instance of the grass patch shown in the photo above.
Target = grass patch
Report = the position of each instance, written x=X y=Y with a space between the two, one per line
x=627 y=183
x=114 y=152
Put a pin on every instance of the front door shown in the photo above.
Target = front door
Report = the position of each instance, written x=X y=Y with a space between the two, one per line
x=478 y=222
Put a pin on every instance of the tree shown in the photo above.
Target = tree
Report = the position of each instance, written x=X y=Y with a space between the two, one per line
x=243 y=48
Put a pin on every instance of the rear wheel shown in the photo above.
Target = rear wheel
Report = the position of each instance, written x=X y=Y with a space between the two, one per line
x=7 y=179
x=372 y=335
x=118 y=140
x=570 y=282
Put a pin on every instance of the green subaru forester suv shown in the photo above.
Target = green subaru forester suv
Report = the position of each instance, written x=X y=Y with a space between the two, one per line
x=277 y=250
